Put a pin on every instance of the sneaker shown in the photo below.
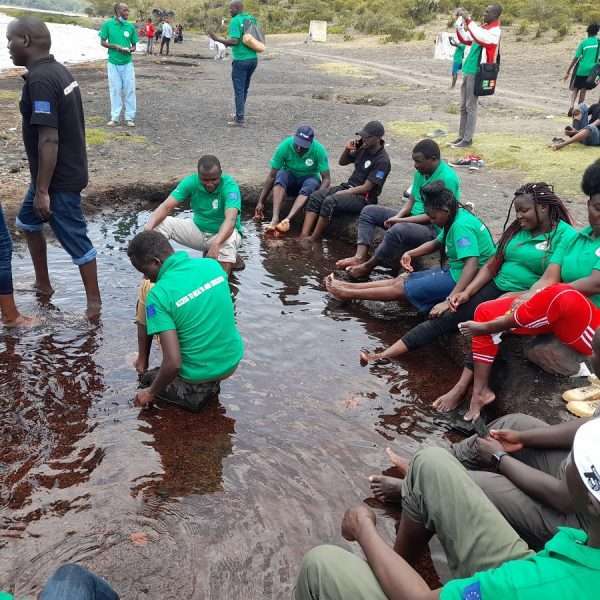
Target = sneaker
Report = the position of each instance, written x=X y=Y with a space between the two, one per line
x=462 y=144
x=130 y=123
x=456 y=141
x=236 y=123
x=112 y=123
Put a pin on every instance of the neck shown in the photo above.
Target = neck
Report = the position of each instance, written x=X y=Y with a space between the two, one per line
x=596 y=231
x=36 y=56
x=542 y=228
x=594 y=536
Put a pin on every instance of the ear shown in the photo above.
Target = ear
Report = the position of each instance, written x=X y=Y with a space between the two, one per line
x=26 y=40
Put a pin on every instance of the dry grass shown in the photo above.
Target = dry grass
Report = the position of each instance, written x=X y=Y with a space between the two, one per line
x=345 y=70
x=96 y=136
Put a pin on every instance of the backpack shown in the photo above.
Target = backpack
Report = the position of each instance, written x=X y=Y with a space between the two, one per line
x=253 y=36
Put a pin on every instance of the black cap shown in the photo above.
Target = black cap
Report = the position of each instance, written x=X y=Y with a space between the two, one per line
x=372 y=128
x=304 y=136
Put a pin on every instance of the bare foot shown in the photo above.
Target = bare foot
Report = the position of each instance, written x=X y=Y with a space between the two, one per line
x=359 y=271
x=400 y=463
x=334 y=287
x=92 y=311
x=283 y=226
x=478 y=401
x=344 y=263
x=22 y=321
x=366 y=358
x=386 y=489
x=42 y=290
x=472 y=328
x=451 y=399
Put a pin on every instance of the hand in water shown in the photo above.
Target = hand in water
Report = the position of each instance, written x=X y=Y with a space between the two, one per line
x=144 y=399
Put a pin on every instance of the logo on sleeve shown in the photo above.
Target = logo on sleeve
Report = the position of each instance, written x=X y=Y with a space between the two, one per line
x=309 y=162
x=126 y=33
x=463 y=242
x=472 y=592
x=150 y=311
x=233 y=196
x=597 y=252
x=368 y=163
x=379 y=174
x=42 y=107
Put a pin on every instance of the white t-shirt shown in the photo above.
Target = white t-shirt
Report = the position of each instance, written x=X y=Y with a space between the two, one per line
x=167 y=30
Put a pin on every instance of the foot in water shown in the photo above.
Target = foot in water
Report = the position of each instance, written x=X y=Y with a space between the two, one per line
x=366 y=358
x=398 y=461
x=472 y=328
x=21 y=321
x=334 y=287
x=43 y=291
x=351 y=261
x=450 y=400
x=359 y=271
x=386 y=489
x=283 y=226
x=478 y=401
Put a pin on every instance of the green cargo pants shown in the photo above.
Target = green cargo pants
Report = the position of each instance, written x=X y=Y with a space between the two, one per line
x=439 y=493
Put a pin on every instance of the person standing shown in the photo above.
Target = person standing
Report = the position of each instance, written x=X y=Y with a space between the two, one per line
x=457 y=60
x=244 y=59
x=586 y=57
x=120 y=37
x=484 y=41
x=149 y=31
x=167 y=34
x=54 y=139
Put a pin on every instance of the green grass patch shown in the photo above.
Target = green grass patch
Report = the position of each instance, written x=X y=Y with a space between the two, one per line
x=345 y=70
x=9 y=96
x=95 y=137
x=527 y=154
x=95 y=120
x=50 y=17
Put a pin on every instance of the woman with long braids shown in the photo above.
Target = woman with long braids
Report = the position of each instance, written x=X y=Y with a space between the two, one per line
x=570 y=312
x=541 y=226
x=464 y=241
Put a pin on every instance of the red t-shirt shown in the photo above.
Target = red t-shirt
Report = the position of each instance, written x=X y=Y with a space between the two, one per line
x=149 y=29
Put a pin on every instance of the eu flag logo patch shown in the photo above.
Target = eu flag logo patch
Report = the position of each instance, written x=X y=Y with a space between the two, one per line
x=472 y=592
x=463 y=242
x=150 y=311
x=42 y=107
x=380 y=174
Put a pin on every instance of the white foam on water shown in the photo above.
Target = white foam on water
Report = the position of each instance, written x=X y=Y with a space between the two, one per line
x=70 y=43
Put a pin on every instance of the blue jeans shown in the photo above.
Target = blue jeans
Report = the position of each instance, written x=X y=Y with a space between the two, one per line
x=241 y=73
x=6 y=285
x=424 y=289
x=121 y=82
x=66 y=220
x=76 y=583
x=295 y=185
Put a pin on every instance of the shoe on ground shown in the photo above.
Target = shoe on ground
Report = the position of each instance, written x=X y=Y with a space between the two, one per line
x=456 y=141
x=583 y=409
x=130 y=123
x=112 y=123
x=589 y=393
x=463 y=144
x=236 y=123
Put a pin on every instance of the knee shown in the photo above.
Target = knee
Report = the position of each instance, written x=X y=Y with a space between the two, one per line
x=369 y=213
x=429 y=462
x=327 y=206
x=69 y=571
x=316 y=568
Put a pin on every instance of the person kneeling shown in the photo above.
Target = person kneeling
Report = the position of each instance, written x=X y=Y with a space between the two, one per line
x=191 y=311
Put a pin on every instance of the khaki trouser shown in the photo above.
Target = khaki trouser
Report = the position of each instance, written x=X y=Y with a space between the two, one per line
x=468 y=108
x=536 y=523
x=140 y=308
x=186 y=233
x=438 y=493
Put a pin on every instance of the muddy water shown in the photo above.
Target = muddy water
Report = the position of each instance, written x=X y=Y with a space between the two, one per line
x=167 y=504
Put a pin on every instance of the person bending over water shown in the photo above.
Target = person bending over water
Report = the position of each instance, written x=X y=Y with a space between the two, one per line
x=541 y=227
x=406 y=229
x=577 y=262
x=190 y=308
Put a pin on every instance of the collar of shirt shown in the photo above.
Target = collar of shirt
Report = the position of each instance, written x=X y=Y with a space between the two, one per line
x=173 y=260
x=39 y=61
x=571 y=544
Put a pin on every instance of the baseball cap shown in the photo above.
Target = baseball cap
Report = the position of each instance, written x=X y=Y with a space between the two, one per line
x=586 y=455
x=374 y=128
x=304 y=136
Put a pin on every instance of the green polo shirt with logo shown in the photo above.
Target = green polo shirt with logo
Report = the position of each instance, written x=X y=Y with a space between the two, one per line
x=122 y=34
x=471 y=64
x=579 y=258
x=192 y=297
x=467 y=237
x=526 y=256
x=566 y=568
x=587 y=53
x=445 y=173
x=312 y=163
x=236 y=31
x=209 y=207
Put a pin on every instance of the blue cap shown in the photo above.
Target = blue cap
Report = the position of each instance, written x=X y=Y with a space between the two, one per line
x=304 y=136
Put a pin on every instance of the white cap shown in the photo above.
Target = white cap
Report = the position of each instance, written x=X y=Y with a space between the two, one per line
x=586 y=455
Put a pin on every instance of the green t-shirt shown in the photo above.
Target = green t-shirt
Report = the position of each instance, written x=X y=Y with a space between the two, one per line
x=467 y=237
x=471 y=64
x=579 y=258
x=565 y=569
x=5 y=596
x=123 y=34
x=313 y=162
x=526 y=257
x=209 y=207
x=444 y=173
x=587 y=53
x=236 y=31
x=459 y=54
x=192 y=297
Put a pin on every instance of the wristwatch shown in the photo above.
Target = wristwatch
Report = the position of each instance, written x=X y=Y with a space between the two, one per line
x=498 y=456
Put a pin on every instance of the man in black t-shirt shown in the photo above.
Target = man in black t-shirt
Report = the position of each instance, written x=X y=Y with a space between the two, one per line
x=54 y=138
x=371 y=168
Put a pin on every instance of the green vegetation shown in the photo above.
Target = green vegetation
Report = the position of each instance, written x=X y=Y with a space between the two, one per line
x=58 y=5
x=527 y=154
x=48 y=17
x=345 y=69
x=9 y=96
x=95 y=137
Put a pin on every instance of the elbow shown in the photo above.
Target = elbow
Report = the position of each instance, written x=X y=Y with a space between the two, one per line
x=172 y=364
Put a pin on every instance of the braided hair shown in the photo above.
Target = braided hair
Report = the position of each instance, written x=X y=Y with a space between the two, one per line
x=543 y=195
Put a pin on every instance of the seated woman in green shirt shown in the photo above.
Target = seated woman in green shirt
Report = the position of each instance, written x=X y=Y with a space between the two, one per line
x=576 y=262
x=526 y=247
x=464 y=242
